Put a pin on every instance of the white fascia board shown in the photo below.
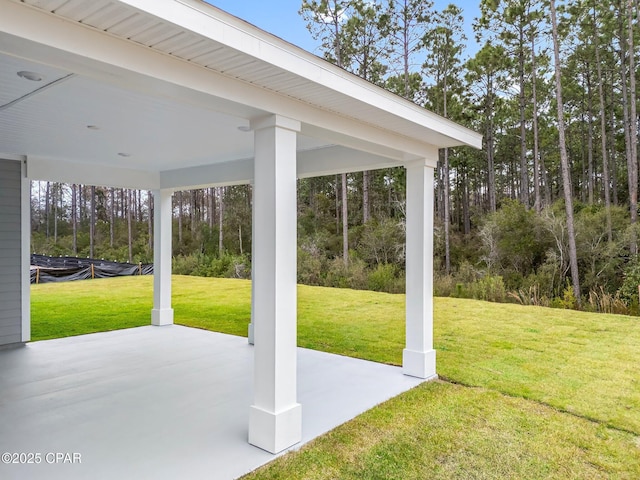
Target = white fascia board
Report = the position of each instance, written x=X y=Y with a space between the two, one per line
x=113 y=59
x=55 y=170
x=228 y=30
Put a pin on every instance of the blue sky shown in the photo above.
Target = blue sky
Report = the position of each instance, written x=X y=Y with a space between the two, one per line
x=280 y=17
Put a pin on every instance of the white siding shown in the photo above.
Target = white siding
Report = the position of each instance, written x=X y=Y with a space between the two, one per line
x=10 y=253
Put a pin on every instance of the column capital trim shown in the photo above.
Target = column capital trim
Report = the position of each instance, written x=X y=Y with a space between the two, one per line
x=430 y=160
x=272 y=121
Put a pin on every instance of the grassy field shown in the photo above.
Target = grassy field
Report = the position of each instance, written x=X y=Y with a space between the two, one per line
x=532 y=392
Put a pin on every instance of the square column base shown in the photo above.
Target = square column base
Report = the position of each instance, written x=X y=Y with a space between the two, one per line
x=275 y=432
x=162 y=316
x=419 y=364
x=250 y=335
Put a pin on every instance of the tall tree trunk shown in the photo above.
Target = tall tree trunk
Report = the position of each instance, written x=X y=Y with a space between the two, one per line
x=633 y=130
x=612 y=148
x=582 y=179
x=54 y=198
x=564 y=161
x=491 y=181
x=112 y=216
x=211 y=209
x=524 y=168
x=130 y=206
x=633 y=243
x=180 y=214
x=548 y=199
x=47 y=207
x=150 y=219
x=440 y=190
x=590 y=168
x=446 y=193
x=603 y=131
x=445 y=185
x=92 y=222
x=83 y=203
x=366 y=207
x=490 y=143
x=74 y=218
x=466 y=219
x=536 y=154
x=337 y=193
x=193 y=214
x=405 y=47
x=345 y=222
x=220 y=218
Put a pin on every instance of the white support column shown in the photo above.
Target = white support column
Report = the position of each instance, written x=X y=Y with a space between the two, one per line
x=419 y=357
x=275 y=420
x=162 y=313
x=250 y=330
x=25 y=210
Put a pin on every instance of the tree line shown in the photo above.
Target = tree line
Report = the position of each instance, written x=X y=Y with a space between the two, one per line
x=546 y=212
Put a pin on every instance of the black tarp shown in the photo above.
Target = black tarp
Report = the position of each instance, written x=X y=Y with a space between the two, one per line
x=63 y=269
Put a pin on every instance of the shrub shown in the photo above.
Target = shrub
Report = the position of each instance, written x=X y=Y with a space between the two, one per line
x=489 y=288
x=629 y=289
x=229 y=266
x=382 y=242
x=530 y=296
x=311 y=267
x=568 y=299
x=601 y=301
x=226 y=265
x=385 y=279
x=354 y=275
x=188 y=264
x=444 y=286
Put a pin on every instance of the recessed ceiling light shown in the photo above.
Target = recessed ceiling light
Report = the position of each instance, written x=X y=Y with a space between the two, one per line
x=93 y=127
x=33 y=76
x=244 y=128
x=124 y=154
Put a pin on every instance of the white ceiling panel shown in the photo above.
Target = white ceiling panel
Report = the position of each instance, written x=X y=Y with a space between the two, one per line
x=82 y=120
x=15 y=87
x=156 y=133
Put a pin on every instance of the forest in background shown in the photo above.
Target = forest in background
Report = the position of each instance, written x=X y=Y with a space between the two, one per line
x=546 y=213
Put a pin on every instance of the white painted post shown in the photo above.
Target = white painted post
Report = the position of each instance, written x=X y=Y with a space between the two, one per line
x=250 y=332
x=419 y=357
x=25 y=212
x=162 y=313
x=275 y=420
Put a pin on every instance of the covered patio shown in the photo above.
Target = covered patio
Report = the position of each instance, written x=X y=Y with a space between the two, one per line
x=167 y=95
x=162 y=403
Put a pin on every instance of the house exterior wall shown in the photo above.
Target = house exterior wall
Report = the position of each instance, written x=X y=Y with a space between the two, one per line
x=10 y=252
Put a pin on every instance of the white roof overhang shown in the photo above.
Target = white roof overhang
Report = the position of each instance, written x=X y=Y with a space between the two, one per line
x=170 y=88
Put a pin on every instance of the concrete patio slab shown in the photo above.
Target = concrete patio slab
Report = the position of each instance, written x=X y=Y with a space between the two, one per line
x=161 y=402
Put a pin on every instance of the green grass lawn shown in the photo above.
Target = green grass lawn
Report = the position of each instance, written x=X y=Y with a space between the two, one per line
x=532 y=392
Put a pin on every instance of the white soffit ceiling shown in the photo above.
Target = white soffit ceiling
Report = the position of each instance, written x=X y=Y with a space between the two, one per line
x=71 y=117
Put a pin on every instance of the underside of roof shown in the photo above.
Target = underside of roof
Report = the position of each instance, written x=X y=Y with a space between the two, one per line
x=172 y=85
